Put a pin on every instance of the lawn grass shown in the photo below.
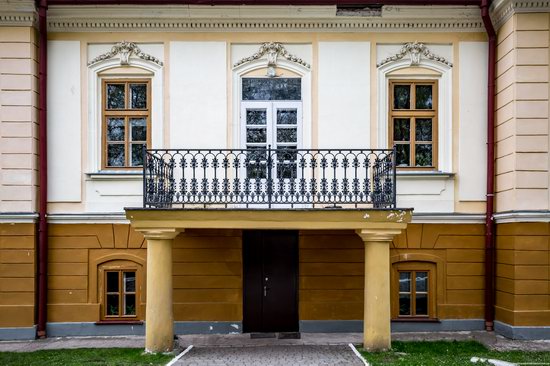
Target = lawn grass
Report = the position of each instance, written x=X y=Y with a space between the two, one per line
x=84 y=356
x=447 y=353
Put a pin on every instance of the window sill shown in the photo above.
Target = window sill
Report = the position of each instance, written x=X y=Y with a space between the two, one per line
x=116 y=175
x=119 y=322
x=424 y=174
x=415 y=320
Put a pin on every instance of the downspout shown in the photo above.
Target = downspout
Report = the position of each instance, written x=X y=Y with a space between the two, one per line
x=42 y=170
x=489 y=220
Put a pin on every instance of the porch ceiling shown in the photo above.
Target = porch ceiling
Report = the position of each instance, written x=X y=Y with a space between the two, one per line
x=315 y=219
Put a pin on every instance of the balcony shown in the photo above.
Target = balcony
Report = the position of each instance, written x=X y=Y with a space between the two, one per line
x=269 y=178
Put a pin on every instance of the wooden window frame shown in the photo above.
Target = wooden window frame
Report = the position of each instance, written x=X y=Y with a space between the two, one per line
x=121 y=293
x=413 y=114
x=126 y=114
x=413 y=267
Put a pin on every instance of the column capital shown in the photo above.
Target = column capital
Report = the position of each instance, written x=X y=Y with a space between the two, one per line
x=379 y=234
x=160 y=233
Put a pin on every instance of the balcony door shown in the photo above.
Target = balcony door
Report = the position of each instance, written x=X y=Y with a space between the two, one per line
x=271 y=117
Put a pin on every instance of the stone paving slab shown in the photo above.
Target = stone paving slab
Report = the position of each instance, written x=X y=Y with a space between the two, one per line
x=271 y=356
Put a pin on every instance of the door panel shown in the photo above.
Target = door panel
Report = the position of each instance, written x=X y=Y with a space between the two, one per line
x=270 y=262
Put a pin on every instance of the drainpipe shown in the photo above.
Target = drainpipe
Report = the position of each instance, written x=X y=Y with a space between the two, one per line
x=489 y=219
x=43 y=170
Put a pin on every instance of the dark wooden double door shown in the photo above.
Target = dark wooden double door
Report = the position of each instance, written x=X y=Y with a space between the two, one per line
x=270 y=271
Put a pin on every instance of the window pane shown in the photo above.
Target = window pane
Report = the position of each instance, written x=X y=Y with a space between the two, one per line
x=401 y=129
x=115 y=96
x=256 y=116
x=402 y=97
x=139 y=129
x=423 y=97
x=287 y=135
x=130 y=304
x=256 y=135
x=112 y=281
x=287 y=116
x=272 y=88
x=404 y=281
x=115 y=129
x=403 y=154
x=423 y=155
x=423 y=129
x=137 y=155
x=138 y=96
x=112 y=305
x=421 y=304
x=404 y=304
x=115 y=155
x=421 y=281
x=129 y=279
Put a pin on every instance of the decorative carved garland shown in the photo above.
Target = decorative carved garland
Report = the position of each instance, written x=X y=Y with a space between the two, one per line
x=125 y=50
x=273 y=50
x=415 y=51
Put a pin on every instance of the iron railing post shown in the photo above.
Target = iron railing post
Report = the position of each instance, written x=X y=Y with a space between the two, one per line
x=394 y=167
x=144 y=153
x=269 y=176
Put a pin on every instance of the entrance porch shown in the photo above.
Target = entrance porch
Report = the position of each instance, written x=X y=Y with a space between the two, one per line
x=375 y=227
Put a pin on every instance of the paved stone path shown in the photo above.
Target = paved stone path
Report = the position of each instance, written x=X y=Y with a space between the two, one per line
x=271 y=356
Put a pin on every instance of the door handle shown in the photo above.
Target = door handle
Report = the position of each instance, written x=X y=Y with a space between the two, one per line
x=265 y=291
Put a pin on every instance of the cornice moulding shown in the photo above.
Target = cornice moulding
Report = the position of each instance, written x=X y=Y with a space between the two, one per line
x=20 y=13
x=502 y=10
x=253 y=18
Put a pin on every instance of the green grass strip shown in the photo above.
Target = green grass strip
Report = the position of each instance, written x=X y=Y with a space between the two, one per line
x=447 y=353
x=85 y=357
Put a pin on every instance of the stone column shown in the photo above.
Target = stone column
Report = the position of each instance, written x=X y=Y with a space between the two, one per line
x=377 y=309
x=159 y=317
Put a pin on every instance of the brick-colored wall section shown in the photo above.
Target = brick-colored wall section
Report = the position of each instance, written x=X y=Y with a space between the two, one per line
x=17 y=275
x=522 y=115
x=18 y=119
x=523 y=274
x=332 y=267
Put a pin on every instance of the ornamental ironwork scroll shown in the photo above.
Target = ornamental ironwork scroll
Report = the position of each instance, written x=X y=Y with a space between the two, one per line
x=124 y=50
x=415 y=51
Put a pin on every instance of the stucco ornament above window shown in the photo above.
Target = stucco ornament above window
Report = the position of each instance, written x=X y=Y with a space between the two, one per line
x=273 y=50
x=125 y=50
x=415 y=51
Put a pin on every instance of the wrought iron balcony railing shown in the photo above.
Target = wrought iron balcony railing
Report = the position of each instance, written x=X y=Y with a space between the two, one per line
x=181 y=178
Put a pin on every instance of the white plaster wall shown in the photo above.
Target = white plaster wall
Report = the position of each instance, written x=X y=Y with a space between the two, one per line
x=112 y=195
x=472 y=155
x=426 y=194
x=64 y=122
x=344 y=95
x=198 y=95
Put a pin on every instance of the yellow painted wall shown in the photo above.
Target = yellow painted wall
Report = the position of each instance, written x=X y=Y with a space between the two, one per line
x=523 y=274
x=17 y=275
x=331 y=270
x=208 y=271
